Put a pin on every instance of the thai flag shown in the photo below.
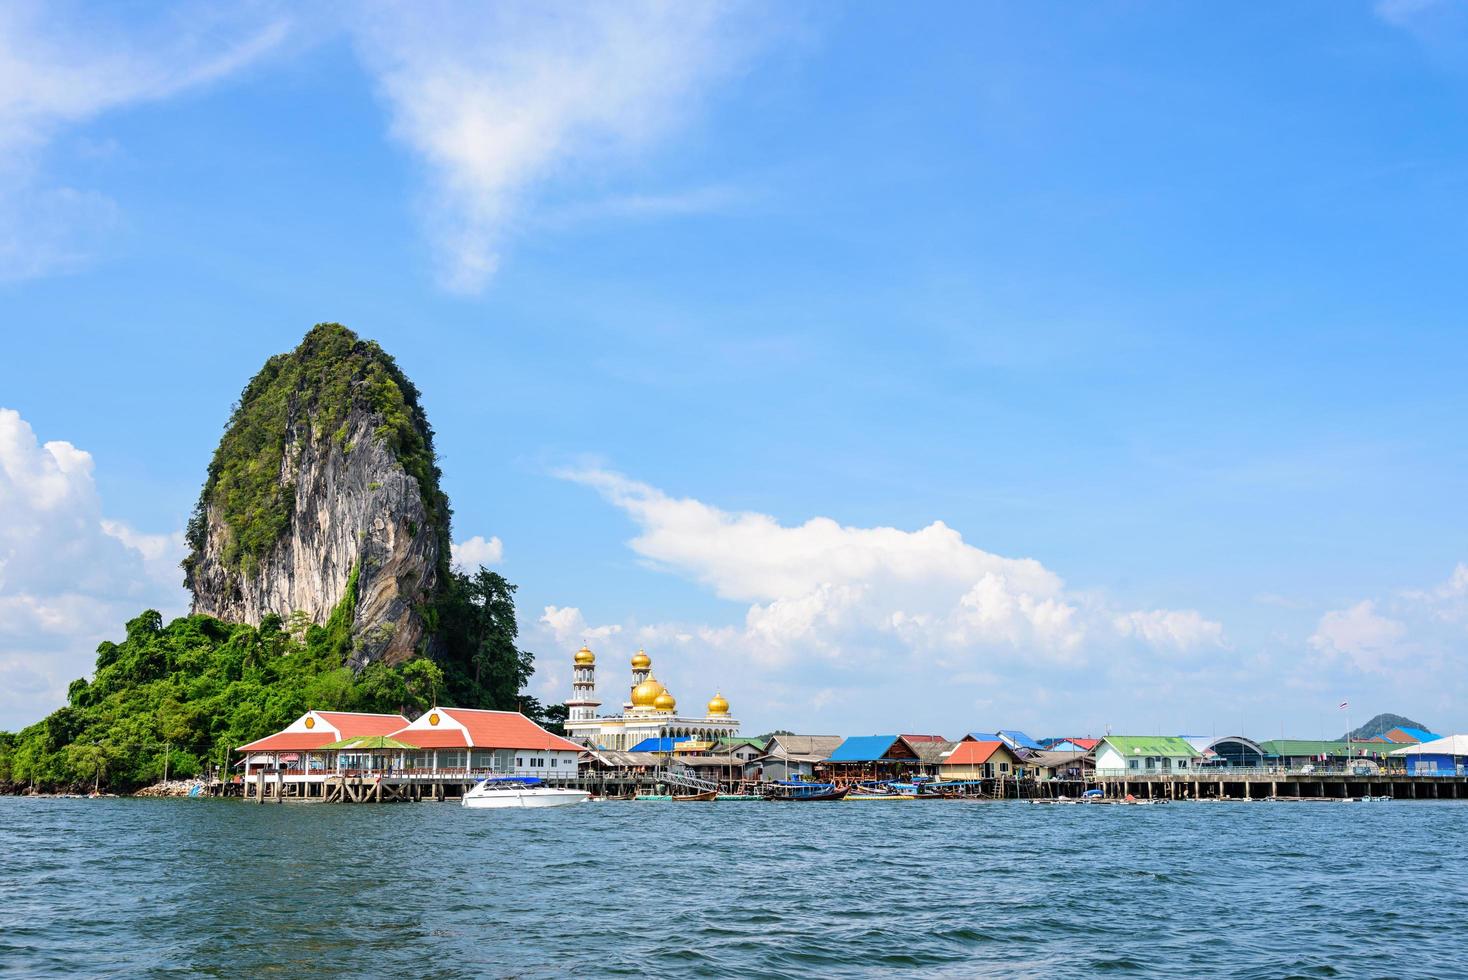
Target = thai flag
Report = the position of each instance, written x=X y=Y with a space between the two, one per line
x=1345 y=704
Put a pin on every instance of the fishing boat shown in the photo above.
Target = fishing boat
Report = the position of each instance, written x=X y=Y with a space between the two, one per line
x=793 y=791
x=708 y=796
x=505 y=792
x=877 y=791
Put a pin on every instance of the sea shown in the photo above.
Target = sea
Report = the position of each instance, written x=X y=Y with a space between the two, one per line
x=134 y=887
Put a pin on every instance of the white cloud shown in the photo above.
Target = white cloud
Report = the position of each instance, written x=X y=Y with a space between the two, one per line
x=1171 y=629
x=69 y=577
x=58 y=71
x=568 y=625
x=824 y=592
x=1420 y=626
x=498 y=100
x=477 y=551
x=1362 y=636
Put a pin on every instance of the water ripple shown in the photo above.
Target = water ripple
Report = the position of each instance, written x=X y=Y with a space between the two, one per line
x=216 y=888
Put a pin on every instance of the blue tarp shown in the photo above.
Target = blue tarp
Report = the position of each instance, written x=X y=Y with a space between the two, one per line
x=657 y=744
x=863 y=748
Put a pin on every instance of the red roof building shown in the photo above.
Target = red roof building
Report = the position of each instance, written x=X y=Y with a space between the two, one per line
x=979 y=760
x=317 y=728
x=472 y=728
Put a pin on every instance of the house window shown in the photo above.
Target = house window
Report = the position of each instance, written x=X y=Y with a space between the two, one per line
x=1182 y=763
x=1132 y=764
x=1004 y=767
x=554 y=762
x=519 y=762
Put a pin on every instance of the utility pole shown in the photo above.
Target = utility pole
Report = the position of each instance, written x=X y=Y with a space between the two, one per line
x=167 y=751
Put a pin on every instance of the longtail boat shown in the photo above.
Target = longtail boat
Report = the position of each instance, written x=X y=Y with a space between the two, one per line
x=705 y=797
x=797 y=792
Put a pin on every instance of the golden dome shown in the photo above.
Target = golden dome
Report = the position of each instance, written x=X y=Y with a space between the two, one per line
x=718 y=707
x=641 y=661
x=665 y=702
x=645 y=695
x=584 y=657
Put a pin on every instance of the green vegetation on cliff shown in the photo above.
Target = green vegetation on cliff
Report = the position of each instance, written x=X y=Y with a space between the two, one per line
x=324 y=380
x=197 y=687
x=182 y=695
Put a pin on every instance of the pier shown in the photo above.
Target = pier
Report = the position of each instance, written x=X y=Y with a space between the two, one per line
x=1239 y=784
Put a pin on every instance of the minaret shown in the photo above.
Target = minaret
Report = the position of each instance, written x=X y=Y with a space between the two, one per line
x=641 y=671
x=583 y=703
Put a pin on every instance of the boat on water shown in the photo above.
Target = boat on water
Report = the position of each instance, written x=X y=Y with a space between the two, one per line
x=878 y=791
x=705 y=797
x=794 y=791
x=505 y=792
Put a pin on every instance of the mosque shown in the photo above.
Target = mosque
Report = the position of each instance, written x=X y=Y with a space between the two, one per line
x=650 y=711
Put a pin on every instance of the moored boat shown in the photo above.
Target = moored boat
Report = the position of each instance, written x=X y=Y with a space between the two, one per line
x=706 y=797
x=506 y=792
x=799 y=792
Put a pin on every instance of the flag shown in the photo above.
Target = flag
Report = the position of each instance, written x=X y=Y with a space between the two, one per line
x=1345 y=704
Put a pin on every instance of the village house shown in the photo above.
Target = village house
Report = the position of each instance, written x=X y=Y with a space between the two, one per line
x=980 y=760
x=792 y=756
x=1144 y=755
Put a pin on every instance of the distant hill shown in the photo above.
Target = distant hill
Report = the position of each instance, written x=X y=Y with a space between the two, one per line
x=1383 y=723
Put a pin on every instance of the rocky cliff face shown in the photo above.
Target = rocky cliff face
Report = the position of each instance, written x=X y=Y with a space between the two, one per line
x=326 y=468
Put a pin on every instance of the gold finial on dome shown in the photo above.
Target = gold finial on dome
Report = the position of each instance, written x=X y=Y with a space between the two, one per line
x=641 y=661
x=645 y=695
x=665 y=702
x=584 y=657
x=718 y=707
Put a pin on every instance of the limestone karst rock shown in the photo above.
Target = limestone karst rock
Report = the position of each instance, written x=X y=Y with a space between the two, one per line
x=325 y=478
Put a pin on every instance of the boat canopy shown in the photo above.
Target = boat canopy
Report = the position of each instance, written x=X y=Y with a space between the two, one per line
x=517 y=780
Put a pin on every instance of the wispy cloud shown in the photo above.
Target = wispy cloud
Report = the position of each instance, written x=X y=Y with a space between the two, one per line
x=60 y=68
x=499 y=100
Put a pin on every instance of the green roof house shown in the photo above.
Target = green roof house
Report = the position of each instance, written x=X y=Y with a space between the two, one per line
x=1144 y=755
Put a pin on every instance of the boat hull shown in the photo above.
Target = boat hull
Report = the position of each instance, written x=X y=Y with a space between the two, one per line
x=514 y=799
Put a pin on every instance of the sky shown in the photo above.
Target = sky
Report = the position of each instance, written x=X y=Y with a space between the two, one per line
x=1068 y=369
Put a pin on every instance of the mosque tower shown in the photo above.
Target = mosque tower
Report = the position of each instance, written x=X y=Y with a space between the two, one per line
x=583 y=703
x=641 y=670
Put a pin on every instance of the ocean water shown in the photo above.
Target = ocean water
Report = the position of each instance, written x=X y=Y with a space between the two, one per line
x=944 y=889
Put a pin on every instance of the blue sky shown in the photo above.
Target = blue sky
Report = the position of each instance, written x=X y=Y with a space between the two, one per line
x=1165 y=301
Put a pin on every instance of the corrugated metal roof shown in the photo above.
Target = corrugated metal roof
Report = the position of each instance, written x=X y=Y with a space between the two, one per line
x=1442 y=745
x=821 y=745
x=862 y=748
x=1156 y=745
x=658 y=744
x=1420 y=734
x=974 y=753
x=1013 y=737
x=1304 y=747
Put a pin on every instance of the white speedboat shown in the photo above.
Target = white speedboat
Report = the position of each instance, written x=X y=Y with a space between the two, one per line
x=520 y=791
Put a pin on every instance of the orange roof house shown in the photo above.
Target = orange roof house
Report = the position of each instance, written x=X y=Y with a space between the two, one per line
x=979 y=760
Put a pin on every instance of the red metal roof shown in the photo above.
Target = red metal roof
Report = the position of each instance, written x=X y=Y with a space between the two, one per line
x=283 y=741
x=972 y=753
x=353 y=724
x=490 y=730
x=1086 y=743
x=432 y=738
x=923 y=738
